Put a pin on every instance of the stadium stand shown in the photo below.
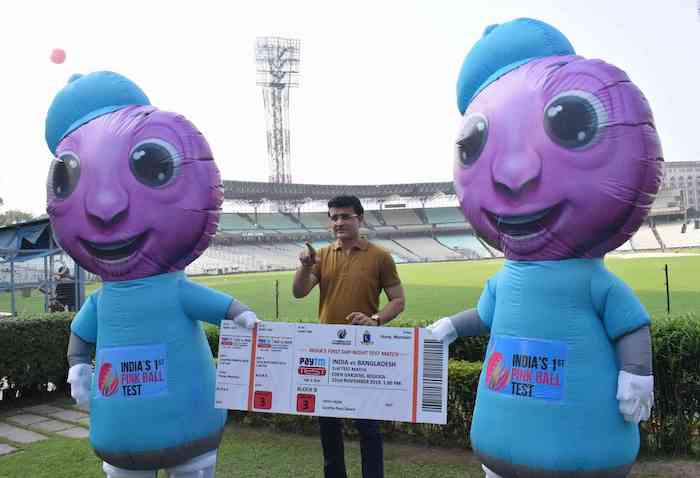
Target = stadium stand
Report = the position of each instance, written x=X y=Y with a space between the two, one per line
x=627 y=246
x=235 y=222
x=645 y=239
x=373 y=219
x=315 y=244
x=397 y=250
x=444 y=215
x=466 y=244
x=428 y=249
x=314 y=220
x=435 y=231
x=277 y=221
x=258 y=191
x=400 y=217
x=673 y=235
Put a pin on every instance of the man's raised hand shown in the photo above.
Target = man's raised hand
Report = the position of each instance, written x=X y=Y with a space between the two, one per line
x=308 y=256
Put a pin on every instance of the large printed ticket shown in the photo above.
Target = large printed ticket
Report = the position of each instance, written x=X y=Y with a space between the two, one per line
x=383 y=373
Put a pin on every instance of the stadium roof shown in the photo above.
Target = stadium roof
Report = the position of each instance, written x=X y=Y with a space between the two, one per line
x=27 y=240
x=258 y=191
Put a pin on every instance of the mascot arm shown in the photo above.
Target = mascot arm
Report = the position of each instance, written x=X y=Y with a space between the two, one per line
x=80 y=372
x=79 y=351
x=627 y=325
x=241 y=315
x=634 y=352
x=83 y=333
x=463 y=324
x=635 y=382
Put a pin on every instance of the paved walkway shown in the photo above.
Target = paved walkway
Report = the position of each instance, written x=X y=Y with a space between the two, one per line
x=41 y=422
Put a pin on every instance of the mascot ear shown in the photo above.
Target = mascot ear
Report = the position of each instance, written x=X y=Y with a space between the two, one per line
x=503 y=48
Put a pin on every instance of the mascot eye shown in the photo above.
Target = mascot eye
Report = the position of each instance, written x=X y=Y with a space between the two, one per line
x=154 y=162
x=473 y=138
x=574 y=118
x=65 y=174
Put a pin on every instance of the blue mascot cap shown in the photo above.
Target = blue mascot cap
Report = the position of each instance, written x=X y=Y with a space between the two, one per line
x=503 y=48
x=85 y=98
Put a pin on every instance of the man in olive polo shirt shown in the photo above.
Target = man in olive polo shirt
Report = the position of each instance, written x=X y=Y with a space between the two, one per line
x=352 y=273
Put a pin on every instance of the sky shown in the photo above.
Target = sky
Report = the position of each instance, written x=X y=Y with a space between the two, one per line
x=376 y=101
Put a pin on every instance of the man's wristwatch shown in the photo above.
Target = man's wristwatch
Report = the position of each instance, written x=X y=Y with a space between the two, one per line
x=375 y=317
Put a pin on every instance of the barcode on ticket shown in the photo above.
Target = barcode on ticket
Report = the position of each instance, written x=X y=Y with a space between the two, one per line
x=433 y=356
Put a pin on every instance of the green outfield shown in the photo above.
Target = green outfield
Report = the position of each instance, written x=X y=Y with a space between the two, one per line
x=437 y=289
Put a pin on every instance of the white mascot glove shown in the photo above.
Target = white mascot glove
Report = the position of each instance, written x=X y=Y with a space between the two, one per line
x=246 y=319
x=443 y=330
x=636 y=396
x=80 y=380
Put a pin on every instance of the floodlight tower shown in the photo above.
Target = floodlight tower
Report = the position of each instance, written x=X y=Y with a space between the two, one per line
x=278 y=70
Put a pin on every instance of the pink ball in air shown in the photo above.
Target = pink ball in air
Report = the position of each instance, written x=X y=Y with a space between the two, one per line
x=58 y=56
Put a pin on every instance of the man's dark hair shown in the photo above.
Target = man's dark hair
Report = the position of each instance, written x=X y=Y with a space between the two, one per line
x=347 y=201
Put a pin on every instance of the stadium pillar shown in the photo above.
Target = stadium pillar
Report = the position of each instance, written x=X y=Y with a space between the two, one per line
x=668 y=294
x=13 y=308
x=46 y=281
x=277 y=300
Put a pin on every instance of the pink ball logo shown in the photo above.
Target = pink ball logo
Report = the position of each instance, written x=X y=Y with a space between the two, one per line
x=108 y=382
x=496 y=372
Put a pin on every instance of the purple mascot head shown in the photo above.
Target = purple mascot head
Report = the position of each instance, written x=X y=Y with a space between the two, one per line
x=557 y=156
x=133 y=191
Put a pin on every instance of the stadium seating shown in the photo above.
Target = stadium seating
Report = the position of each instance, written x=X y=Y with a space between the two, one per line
x=627 y=246
x=400 y=217
x=397 y=250
x=314 y=220
x=372 y=218
x=318 y=244
x=428 y=249
x=276 y=221
x=644 y=239
x=409 y=234
x=444 y=215
x=466 y=244
x=230 y=221
x=673 y=236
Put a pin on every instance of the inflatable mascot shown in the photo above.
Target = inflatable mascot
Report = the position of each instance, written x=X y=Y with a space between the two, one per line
x=557 y=163
x=134 y=196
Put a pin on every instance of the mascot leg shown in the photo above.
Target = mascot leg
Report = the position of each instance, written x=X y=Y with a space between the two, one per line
x=114 y=472
x=203 y=466
x=489 y=473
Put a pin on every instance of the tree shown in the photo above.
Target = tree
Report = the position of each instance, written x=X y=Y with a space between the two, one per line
x=14 y=216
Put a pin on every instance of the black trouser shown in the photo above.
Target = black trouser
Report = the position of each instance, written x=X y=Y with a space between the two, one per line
x=371 y=448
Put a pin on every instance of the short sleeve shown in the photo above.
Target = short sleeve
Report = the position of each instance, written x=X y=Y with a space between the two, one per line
x=487 y=302
x=84 y=325
x=388 y=276
x=202 y=303
x=618 y=306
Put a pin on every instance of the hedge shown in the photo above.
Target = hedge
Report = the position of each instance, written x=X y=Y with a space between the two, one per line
x=33 y=353
x=674 y=427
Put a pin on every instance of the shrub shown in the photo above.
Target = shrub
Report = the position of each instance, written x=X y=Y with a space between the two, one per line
x=675 y=418
x=33 y=354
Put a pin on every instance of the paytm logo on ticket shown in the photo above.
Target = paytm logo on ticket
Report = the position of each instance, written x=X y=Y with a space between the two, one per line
x=317 y=366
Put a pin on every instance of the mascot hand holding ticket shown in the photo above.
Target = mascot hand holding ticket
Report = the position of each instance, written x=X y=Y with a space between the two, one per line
x=134 y=196
x=557 y=163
